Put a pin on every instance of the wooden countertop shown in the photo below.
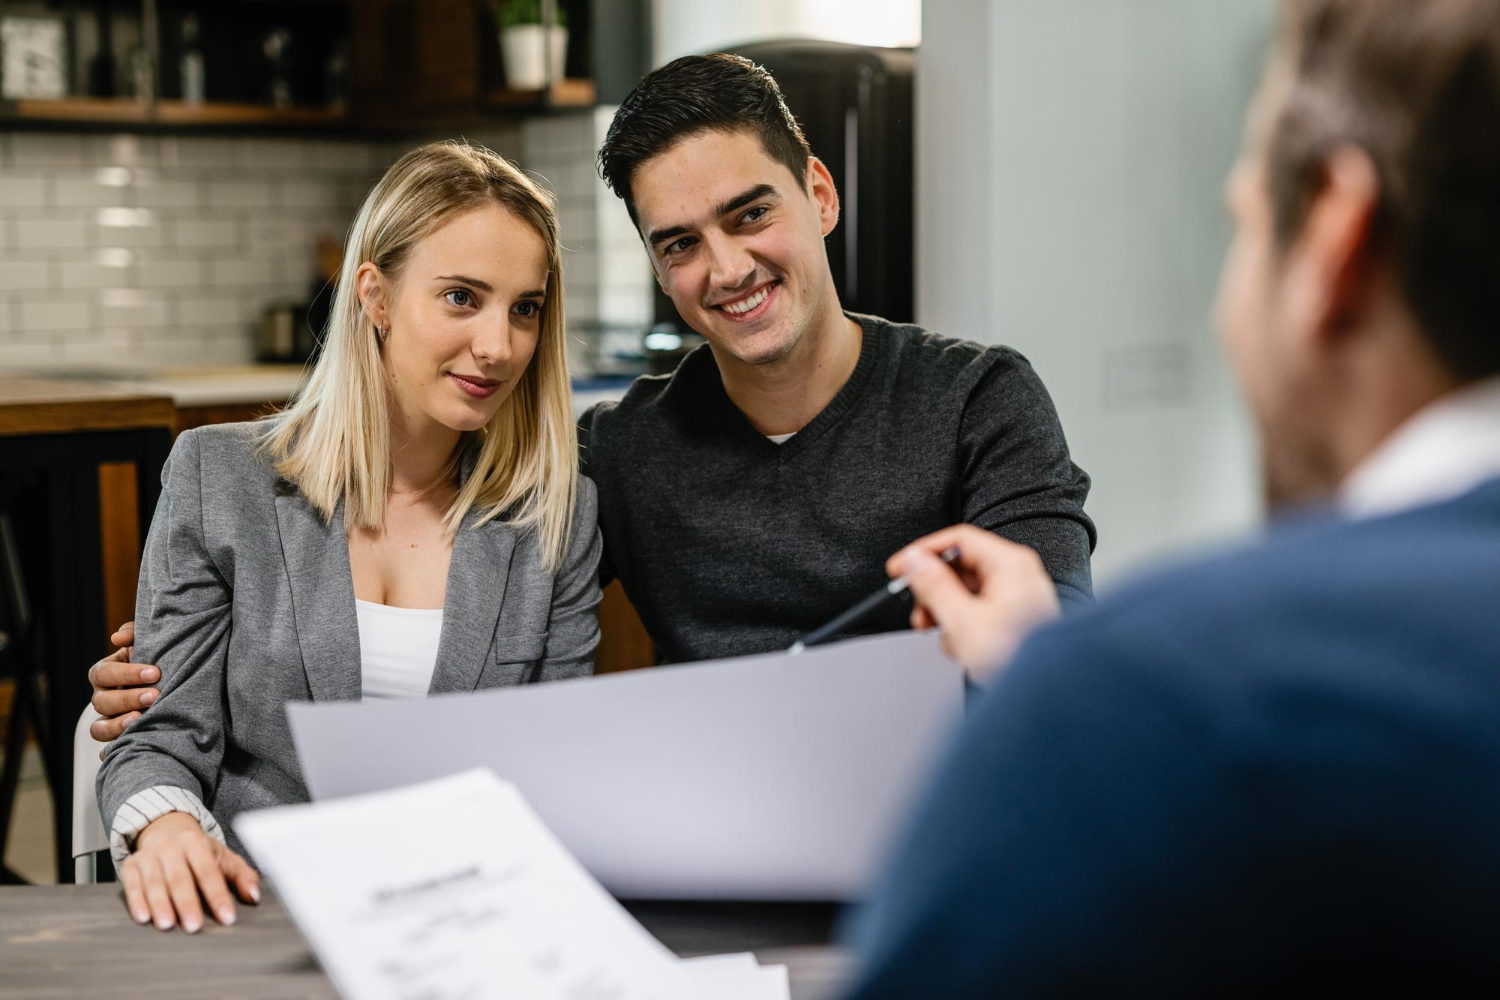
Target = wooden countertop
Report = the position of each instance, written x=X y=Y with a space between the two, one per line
x=227 y=385
x=230 y=385
x=57 y=406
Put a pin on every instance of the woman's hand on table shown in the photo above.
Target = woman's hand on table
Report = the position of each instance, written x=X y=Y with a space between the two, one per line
x=176 y=868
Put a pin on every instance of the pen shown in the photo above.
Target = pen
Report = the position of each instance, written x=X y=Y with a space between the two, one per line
x=863 y=609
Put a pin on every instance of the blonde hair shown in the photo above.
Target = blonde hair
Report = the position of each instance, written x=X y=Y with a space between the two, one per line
x=333 y=439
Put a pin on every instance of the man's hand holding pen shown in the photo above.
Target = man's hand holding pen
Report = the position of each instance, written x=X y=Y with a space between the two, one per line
x=986 y=602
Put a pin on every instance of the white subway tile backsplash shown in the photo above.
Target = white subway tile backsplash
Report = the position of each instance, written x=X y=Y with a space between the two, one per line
x=89 y=274
x=128 y=150
x=155 y=191
x=174 y=274
x=22 y=190
x=239 y=194
x=129 y=307
x=47 y=149
x=166 y=250
x=181 y=348
x=338 y=157
x=274 y=154
x=277 y=232
x=181 y=151
x=50 y=234
x=85 y=191
x=208 y=231
x=235 y=273
x=98 y=350
x=39 y=354
x=23 y=274
x=308 y=194
x=140 y=230
x=54 y=314
x=210 y=310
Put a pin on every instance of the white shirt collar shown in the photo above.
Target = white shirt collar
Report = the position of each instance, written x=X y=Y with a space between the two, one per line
x=1447 y=449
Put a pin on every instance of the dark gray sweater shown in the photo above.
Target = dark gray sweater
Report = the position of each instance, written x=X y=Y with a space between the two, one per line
x=728 y=543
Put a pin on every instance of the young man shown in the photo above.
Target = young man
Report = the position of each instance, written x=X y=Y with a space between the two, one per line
x=1273 y=773
x=756 y=492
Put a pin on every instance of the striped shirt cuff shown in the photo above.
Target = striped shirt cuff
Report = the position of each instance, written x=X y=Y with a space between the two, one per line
x=142 y=808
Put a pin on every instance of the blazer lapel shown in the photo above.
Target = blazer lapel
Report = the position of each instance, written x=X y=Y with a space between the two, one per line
x=477 y=576
x=317 y=566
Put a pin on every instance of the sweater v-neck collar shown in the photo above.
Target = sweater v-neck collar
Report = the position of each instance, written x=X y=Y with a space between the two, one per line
x=842 y=401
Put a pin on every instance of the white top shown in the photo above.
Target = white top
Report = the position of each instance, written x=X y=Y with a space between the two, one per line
x=781 y=438
x=397 y=649
x=398 y=652
x=1445 y=450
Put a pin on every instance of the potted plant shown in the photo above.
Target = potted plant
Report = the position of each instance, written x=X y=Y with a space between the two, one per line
x=522 y=37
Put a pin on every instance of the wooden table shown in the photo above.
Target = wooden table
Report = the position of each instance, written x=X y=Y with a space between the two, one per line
x=75 y=941
x=54 y=436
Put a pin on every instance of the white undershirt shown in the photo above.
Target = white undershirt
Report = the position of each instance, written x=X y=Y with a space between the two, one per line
x=397 y=649
x=1442 y=452
x=781 y=438
x=398 y=652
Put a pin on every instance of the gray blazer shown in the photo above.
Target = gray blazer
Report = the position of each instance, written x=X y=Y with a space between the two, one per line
x=246 y=603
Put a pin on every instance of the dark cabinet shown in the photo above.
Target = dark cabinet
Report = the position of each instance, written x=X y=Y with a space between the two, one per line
x=293 y=64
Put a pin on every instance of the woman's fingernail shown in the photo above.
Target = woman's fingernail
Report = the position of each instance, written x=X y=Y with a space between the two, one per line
x=147 y=697
x=163 y=923
x=255 y=893
x=226 y=917
x=141 y=917
x=192 y=926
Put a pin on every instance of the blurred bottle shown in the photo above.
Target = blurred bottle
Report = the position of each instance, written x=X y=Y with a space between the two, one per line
x=143 y=57
x=336 y=77
x=142 y=75
x=101 y=67
x=193 y=79
x=278 y=50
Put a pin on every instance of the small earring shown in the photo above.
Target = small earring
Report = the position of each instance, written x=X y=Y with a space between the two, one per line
x=380 y=333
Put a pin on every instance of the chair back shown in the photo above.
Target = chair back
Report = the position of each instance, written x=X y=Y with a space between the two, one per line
x=89 y=835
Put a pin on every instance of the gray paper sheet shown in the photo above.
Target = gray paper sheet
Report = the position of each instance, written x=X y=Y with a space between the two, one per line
x=764 y=777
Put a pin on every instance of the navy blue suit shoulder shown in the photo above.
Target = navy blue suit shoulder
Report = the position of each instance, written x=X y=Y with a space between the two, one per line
x=1266 y=773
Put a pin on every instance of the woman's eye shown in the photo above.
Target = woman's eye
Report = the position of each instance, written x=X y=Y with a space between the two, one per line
x=527 y=309
x=459 y=297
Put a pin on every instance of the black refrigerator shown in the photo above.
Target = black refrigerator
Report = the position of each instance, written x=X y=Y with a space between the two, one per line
x=855 y=106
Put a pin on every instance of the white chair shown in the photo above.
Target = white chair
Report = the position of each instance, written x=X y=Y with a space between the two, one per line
x=89 y=835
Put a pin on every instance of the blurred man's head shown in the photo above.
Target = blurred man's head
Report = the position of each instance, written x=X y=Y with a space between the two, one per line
x=729 y=201
x=1361 y=282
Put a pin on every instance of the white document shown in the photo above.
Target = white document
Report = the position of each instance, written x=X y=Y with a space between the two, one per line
x=764 y=777
x=738 y=977
x=455 y=889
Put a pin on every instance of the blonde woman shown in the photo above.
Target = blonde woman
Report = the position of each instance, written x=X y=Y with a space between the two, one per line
x=412 y=523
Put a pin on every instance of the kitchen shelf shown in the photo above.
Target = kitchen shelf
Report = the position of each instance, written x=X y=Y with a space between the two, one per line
x=87 y=111
x=570 y=93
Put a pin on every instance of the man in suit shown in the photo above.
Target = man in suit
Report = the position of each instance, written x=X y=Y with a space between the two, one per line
x=1273 y=772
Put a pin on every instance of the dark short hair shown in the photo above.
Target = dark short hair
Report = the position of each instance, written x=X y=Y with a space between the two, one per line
x=693 y=95
x=1416 y=85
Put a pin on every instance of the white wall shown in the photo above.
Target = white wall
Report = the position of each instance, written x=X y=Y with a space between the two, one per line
x=686 y=27
x=1070 y=161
